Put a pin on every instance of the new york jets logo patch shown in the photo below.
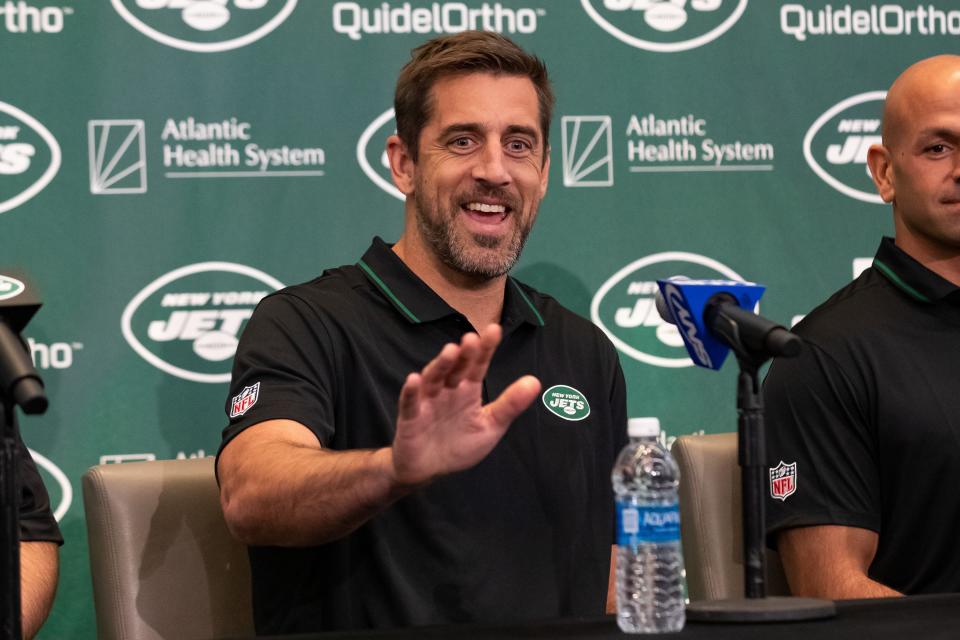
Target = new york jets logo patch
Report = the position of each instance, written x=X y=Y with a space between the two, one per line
x=566 y=402
x=10 y=287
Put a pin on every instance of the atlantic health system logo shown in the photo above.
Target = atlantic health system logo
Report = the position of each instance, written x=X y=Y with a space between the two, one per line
x=118 y=156
x=187 y=322
x=836 y=145
x=587 y=149
x=29 y=157
x=665 y=25
x=624 y=307
x=205 y=26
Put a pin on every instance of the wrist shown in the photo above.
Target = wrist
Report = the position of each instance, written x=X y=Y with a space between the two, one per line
x=400 y=483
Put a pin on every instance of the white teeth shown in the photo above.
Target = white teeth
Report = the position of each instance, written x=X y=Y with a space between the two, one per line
x=486 y=208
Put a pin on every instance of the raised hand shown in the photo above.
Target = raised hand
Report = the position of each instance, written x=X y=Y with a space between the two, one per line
x=442 y=425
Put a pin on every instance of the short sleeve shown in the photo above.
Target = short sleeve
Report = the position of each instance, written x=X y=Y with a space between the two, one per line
x=821 y=450
x=283 y=369
x=618 y=407
x=37 y=523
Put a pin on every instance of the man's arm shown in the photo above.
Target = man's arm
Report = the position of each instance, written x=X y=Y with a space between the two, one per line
x=278 y=486
x=830 y=561
x=39 y=569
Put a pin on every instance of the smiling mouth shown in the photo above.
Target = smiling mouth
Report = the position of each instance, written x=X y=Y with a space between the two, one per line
x=486 y=211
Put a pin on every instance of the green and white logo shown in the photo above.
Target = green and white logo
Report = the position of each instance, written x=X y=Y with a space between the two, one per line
x=57 y=484
x=836 y=144
x=29 y=157
x=566 y=402
x=665 y=25
x=205 y=26
x=188 y=322
x=372 y=152
x=624 y=307
x=10 y=287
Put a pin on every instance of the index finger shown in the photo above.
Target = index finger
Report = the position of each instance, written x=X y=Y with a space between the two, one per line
x=476 y=369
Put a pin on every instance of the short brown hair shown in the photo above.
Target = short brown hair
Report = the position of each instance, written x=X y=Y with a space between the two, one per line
x=467 y=52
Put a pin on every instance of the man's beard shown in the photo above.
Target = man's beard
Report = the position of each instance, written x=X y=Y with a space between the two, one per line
x=472 y=254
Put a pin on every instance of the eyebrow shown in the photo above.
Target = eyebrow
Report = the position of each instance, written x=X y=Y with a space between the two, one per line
x=476 y=127
x=939 y=132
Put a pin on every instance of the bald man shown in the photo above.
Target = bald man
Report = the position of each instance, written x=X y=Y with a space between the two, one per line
x=863 y=435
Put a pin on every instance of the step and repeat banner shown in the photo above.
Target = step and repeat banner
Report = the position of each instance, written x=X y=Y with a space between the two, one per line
x=164 y=164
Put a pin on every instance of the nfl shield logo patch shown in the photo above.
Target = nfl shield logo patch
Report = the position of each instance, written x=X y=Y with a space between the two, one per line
x=242 y=402
x=783 y=480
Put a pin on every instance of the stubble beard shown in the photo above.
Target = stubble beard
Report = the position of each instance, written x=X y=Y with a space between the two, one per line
x=477 y=255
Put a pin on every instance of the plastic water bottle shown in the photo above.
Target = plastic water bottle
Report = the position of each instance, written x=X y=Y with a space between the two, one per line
x=649 y=558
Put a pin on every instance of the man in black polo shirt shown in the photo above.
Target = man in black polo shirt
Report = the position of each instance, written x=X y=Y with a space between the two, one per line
x=368 y=461
x=39 y=544
x=863 y=432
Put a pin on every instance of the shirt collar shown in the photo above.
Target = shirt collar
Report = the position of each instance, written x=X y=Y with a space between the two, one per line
x=910 y=276
x=418 y=303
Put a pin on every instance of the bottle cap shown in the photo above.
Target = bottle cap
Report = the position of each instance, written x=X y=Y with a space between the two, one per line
x=643 y=427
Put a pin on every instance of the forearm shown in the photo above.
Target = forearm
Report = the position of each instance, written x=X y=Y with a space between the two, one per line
x=290 y=495
x=831 y=561
x=841 y=585
x=39 y=570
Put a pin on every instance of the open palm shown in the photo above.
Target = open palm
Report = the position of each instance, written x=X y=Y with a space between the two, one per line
x=442 y=425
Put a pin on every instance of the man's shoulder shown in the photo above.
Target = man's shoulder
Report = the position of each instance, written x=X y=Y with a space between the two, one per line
x=851 y=311
x=333 y=290
x=557 y=317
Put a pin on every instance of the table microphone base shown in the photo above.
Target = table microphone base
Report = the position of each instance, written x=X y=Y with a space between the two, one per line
x=771 y=609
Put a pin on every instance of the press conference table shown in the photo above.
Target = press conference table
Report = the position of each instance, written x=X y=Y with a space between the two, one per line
x=911 y=618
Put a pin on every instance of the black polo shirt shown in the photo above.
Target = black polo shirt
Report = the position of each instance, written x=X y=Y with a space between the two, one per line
x=870 y=415
x=37 y=523
x=525 y=534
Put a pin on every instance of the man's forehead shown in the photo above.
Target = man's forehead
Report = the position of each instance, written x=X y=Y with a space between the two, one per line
x=928 y=112
x=485 y=99
x=926 y=92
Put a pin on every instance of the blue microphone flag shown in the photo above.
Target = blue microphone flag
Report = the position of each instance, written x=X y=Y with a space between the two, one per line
x=687 y=300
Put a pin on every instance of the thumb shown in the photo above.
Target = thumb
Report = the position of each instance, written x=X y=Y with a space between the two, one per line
x=513 y=401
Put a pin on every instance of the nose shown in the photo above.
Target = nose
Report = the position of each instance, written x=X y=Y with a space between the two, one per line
x=491 y=167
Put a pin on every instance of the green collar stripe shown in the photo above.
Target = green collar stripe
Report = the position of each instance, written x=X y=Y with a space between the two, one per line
x=386 y=290
x=527 y=300
x=887 y=271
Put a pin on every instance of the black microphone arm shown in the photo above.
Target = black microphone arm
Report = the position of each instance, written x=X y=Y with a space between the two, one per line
x=19 y=380
x=745 y=331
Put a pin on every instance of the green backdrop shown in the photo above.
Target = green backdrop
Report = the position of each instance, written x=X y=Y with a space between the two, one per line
x=166 y=163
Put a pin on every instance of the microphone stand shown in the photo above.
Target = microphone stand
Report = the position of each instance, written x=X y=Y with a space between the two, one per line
x=10 y=628
x=756 y=606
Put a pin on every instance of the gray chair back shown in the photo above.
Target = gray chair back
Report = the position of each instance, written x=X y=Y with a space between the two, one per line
x=710 y=518
x=163 y=563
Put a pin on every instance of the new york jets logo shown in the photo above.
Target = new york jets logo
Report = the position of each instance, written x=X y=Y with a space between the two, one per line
x=665 y=25
x=205 y=25
x=624 y=307
x=566 y=402
x=10 y=287
x=836 y=144
x=57 y=484
x=29 y=157
x=372 y=152
x=188 y=321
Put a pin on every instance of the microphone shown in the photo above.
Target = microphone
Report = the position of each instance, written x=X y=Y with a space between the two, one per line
x=19 y=381
x=714 y=316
